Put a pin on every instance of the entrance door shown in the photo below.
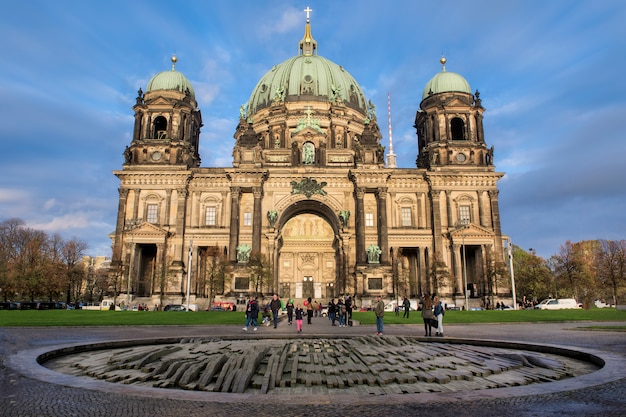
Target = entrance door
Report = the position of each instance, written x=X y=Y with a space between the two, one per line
x=307 y=287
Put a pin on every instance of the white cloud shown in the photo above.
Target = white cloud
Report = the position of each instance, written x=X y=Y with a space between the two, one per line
x=49 y=204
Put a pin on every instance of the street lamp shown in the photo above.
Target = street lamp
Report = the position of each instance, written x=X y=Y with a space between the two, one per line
x=189 y=272
x=510 y=252
x=464 y=224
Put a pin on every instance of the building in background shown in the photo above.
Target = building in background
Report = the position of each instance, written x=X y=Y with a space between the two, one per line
x=308 y=196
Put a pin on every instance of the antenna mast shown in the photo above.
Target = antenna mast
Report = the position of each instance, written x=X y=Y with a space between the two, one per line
x=391 y=157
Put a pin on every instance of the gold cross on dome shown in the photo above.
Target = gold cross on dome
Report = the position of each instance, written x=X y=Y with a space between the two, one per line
x=308 y=11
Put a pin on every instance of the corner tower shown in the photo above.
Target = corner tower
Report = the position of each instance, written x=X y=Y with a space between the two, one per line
x=449 y=125
x=167 y=123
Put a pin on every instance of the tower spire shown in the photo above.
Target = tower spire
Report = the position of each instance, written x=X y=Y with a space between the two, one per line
x=308 y=45
x=391 y=157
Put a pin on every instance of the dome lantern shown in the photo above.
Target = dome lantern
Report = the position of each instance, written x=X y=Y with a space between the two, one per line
x=171 y=80
x=446 y=81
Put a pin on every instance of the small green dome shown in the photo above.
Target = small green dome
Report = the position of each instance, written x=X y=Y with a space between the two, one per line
x=170 y=80
x=446 y=82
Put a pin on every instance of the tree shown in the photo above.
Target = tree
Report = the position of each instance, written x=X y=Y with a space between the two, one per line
x=533 y=278
x=214 y=272
x=32 y=263
x=74 y=272
x=10 y=230
x=163 y=277
x=571 y=270
x=438 y=273
x=260 y=273
x=610 y=263
x=497 y=274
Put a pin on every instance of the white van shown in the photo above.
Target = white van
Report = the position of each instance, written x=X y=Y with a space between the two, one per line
x=391 y=306
x=557 y=304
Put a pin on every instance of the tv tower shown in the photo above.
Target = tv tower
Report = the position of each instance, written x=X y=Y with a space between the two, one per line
x=391 y=157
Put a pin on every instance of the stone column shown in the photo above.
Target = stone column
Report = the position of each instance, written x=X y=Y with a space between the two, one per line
x=235 y=194
x=137 y=129
x=495 y=221
x=119 y=227
x=257 y=220
x=359 y=221
x=181 y=207
x=449 y=222
x=136 y=205
x=168 y=206
x=422 y=269
x=481 y=209
x=383 y=236
x=458 y=267
x=160 y=284
x=194 y=204
x=436 y=226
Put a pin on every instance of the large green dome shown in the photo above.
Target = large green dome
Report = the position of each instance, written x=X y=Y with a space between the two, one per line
x=170 y=80
x=445 y=81
x=307 y=77
x=312 y=77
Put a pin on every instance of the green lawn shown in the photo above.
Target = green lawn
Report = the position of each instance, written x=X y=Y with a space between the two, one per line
x=167 y=318
x=506 y=316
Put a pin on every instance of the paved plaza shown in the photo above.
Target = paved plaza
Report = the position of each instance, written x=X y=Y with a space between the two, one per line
x=28 y=389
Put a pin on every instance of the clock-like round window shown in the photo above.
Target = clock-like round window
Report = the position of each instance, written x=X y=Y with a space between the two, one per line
x=156 y=156
x=460 y=157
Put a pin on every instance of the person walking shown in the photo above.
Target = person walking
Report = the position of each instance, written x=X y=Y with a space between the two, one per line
x=341 y=312
x=439 y=312
x=407 y=306
x=427 y=314
x=379 y=310
x=309 y=310
x=289 y=307
x=332 y=311
x=252 y=313
x=349 y=309
x=275 y=306
x=299 y=315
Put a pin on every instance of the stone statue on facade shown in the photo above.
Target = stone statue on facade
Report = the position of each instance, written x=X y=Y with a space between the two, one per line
x=272 y=216
x=243 y=253
x=373 y=254
x=279 y=95
x=344 y=217
x=308 y=153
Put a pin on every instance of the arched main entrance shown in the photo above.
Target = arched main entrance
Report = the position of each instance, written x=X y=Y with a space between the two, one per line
x=309 y=253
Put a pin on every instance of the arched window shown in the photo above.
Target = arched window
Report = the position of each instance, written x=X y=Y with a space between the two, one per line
x=160 y=127
x=457 y=128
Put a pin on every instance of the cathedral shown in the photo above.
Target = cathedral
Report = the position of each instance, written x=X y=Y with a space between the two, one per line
x=311 y=206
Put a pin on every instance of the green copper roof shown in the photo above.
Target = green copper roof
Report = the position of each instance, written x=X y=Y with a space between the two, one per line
x=312 y=76
x=170 y=80
x=307 y=76
x=445 y=82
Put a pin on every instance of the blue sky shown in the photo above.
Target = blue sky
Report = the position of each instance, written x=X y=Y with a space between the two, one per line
x=551 y=74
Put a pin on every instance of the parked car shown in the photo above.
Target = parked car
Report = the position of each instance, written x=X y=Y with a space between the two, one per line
x=174 y=307
x=602 y=304
x=10 y=306
x=51 y=305
x=557 y=304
